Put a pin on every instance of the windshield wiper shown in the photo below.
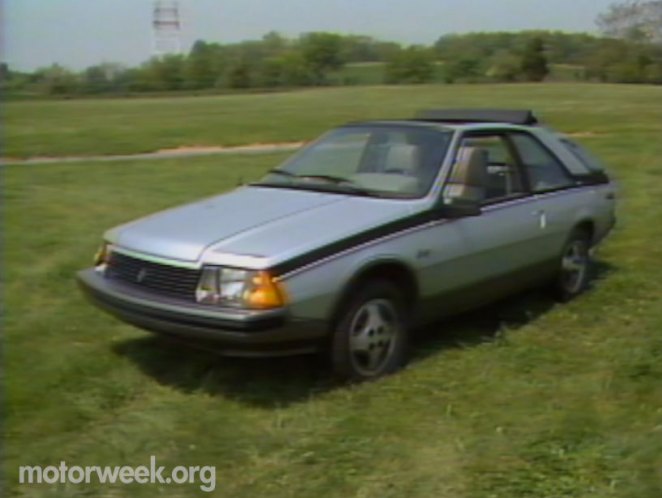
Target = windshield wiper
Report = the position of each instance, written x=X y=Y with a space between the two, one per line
x=344 y=187
x=329 y=178
x=282 y=172
x=333 y=179
x=342 y=183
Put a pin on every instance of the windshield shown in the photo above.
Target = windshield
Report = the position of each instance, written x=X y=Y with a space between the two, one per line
x=379 y=160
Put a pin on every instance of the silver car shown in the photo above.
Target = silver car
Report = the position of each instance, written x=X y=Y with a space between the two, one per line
x=371 y=230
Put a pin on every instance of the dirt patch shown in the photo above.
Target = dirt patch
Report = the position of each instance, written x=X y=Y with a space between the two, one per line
x=584 y=134
x=182 y=151
x=210 y=149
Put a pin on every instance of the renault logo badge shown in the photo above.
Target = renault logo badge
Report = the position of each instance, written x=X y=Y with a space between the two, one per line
x=142 y=275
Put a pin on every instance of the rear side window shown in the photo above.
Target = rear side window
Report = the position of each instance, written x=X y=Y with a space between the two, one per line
x=545 y=170
x=584 y=156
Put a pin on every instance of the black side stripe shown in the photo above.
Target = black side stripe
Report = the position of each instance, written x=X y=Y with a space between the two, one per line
x=355 y=240
x=391 y=228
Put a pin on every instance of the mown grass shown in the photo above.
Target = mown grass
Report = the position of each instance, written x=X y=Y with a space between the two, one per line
x=523 y=399
x=119 y=126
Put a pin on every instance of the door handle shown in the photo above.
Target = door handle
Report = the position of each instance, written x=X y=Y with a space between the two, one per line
x=540 y=213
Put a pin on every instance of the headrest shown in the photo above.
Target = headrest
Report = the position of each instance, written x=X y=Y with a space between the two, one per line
x=403 y=157
x=471 y=167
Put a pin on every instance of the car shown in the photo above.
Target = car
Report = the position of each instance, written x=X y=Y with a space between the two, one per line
x=364 y=234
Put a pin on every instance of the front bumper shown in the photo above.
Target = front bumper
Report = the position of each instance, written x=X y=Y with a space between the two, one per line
x=232 y=332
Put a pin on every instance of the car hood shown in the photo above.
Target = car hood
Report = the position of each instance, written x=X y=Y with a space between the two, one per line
x=260 y=222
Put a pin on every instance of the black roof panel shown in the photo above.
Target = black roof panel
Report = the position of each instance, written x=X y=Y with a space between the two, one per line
x=518 y=117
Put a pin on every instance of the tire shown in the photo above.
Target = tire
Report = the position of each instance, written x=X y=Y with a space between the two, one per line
x=371 y=336
x=575 y=266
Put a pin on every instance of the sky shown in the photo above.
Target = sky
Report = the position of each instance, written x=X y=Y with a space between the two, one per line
x=80 y=33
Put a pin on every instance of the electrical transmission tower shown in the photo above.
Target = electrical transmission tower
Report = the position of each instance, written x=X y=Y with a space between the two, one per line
x=167 y=28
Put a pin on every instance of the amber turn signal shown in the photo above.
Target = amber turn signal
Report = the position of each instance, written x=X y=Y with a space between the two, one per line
x=264 y=292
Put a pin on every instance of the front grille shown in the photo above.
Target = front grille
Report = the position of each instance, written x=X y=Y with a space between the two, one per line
x=164 y=280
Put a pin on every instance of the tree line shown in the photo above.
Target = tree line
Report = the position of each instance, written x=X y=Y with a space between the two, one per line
x=313 y=59
x=628 y=51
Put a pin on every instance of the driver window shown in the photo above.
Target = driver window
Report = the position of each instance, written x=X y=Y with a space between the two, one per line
x=503 y=177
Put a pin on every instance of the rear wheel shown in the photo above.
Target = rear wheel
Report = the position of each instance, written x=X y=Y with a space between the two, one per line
x=370 y=339
x=575 y=266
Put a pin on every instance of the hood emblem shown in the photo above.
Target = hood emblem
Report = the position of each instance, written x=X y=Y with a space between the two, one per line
x=142 y=275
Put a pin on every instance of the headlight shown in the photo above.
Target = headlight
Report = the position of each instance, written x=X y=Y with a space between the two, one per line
x=239 y=289
x=101 y=257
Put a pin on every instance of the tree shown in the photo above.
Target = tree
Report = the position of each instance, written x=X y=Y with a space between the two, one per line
x=296 y=71
x=465 y=67
x=386 y=50
x=653 y=73
x=203 y=65
x=634 y=68
x=322 y=53
x=57 y=80
x=620 y=61
x=599 y=65
x=13 y=81
x=634 y=20
x=169 y=70
x=534 y=64
x=274 y=43
x=274 y=61
x=411 y=65
x=240 y=75
x=161 y=73
x=288 y=69
x=103 y=78
x=504 y=66
x=271 y=72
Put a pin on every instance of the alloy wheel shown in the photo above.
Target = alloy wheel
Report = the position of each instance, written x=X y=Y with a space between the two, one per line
x=374 y=331
x=574 y=267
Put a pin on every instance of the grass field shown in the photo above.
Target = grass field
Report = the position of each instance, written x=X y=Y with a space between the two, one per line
x=523 y=399
x=119 y=126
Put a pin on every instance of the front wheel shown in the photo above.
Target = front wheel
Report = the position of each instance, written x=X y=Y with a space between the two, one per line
x=371 y=337
x=575 y=266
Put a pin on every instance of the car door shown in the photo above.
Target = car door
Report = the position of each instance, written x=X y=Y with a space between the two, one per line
x=553 y=188
x=482 y=257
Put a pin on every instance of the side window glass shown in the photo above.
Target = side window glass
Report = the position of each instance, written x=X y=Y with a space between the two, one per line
x=502 y=177
x=546 y=172
x=591 y=162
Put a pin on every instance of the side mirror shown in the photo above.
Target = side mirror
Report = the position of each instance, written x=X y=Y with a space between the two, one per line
x=455 y=208
x=465 y=188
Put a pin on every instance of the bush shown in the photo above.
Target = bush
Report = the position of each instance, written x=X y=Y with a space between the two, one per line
x=534 y=64
x=411 y=65
x=468 y=68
